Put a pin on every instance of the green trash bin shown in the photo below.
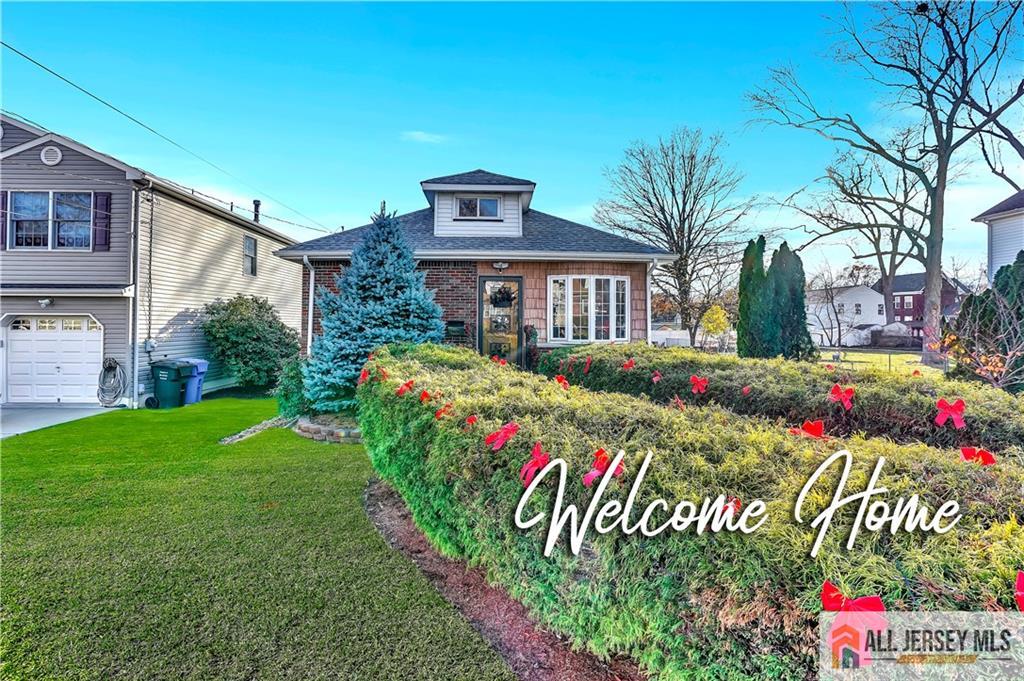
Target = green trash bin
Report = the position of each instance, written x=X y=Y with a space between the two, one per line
x=169 y=378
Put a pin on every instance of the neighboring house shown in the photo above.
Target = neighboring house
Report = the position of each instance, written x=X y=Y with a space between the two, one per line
x=908 y=299
x=99 y=260
x=844 y=315
x=1005 y=222
x=497 y=265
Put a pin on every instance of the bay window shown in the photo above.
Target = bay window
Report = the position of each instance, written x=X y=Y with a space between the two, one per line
x=50 y=220
x=584 y=308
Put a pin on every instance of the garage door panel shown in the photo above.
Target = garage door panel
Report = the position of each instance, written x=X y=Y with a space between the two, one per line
x=53 y=365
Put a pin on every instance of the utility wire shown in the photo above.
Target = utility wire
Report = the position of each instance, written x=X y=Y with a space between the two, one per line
x=156 y=132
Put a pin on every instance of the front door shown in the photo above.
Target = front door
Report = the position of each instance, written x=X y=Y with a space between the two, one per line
x=501 y=318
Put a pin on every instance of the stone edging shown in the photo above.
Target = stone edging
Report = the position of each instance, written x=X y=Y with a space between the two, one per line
x=324 y=433
x=276 y=422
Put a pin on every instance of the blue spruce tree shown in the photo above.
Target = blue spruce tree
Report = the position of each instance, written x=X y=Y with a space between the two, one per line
x=381 y=299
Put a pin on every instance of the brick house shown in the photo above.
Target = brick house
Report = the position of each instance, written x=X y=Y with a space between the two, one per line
x=498 y=266
x=908 y=299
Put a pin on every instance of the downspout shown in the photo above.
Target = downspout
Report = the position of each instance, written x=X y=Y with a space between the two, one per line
x=133 y=304
x=309 y=305
x=650 y=268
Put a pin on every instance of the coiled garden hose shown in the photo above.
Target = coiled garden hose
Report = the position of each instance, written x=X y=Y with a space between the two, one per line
x=112 y=383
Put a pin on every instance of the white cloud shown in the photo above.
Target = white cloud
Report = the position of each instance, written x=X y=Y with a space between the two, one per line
x=423 y=137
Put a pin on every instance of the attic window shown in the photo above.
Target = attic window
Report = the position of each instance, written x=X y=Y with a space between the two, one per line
x=478 y=207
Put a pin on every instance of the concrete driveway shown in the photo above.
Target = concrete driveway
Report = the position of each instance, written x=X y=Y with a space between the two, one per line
x=22 y=418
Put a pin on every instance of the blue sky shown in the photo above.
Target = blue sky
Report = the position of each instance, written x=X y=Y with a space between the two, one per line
x=333 y=107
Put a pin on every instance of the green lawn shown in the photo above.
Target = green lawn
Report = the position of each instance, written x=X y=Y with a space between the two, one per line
x=895 y=361
x=134 y=546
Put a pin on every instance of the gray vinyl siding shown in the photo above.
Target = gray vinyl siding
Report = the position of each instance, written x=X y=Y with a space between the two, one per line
x=76 y=172
x=13 y=136
x=445 y=223
x=112 y=313
x=197 y=258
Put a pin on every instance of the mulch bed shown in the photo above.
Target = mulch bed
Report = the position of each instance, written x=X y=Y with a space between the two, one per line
x=532 y=653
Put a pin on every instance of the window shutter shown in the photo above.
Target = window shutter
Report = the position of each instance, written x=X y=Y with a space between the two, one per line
x=101 y=221
x=3 y=221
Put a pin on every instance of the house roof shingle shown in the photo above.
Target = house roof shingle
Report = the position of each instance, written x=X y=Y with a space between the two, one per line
x=542 y=233
x=1015 y=202
x=478 y=177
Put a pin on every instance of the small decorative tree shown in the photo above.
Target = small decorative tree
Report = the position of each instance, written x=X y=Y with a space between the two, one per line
x=246 y=336
x=715 y=323
x=757 y=330
x=381 y=299
x=787 y=283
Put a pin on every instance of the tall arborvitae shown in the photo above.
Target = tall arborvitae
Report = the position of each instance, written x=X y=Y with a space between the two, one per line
x=787 y=283
x=751 y=282
x=381 y=299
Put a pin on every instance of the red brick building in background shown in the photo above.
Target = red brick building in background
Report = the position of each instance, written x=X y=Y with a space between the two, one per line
x=908 y=299
x=497 y=266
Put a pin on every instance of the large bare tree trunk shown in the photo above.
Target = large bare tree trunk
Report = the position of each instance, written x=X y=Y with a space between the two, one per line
x=887 y=301
x=932 y=355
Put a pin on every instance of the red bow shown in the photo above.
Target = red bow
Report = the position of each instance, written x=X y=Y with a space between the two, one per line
x=982 y=456
x=586 y=365
x=656 y=376
x=746 y=390
x=562 y=381
x=538 y=459
x=600 y=467
x=812 y=429
x=443 y=411
x=1019 y=592
x=628 y=364
x=424 y=397
x=502 y=435
x=840 y=395
x=405 y=387
x=471 y=420
x=830 y=367
x=733 y=504
x=699 y=384
x=363 y=375
x=500 y=361
x=953 y=411
x=678 y=403
x=834 y=601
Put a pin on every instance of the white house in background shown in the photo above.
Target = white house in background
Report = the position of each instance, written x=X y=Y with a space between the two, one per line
x=844 y=315
x=1005 y=222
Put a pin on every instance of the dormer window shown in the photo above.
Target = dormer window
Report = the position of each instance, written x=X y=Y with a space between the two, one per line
x=478 y=207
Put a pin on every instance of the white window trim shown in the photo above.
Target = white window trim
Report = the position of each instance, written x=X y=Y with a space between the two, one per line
x=51 y=235
x=496 y=197
x=592 y=310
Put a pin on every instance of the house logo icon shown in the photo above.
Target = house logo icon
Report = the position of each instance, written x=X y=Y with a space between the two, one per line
x=845 y=641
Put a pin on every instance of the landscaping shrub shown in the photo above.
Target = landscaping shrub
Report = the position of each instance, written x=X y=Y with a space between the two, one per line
x=899 y=407
x=247 y=336
x=684 y=606
x=291 y=398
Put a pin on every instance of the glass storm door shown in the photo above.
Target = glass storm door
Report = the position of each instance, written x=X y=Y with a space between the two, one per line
x=501 y=317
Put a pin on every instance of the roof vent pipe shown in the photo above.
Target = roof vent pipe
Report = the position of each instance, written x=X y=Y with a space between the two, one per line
x=255 y=210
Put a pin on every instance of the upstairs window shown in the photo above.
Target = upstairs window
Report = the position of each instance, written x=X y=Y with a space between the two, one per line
x=478 y=207
x=50 y=220
x=249 y=255
x=588 y=308
x=881 y=309
x=856 y=308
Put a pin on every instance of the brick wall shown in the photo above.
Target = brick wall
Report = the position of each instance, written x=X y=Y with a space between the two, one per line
x=455 y=286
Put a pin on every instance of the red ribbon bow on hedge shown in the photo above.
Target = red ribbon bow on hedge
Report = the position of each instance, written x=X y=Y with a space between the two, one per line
x=834 y=601
x=628 y=364
x=830 y=367
x=656 y=376
x=982 y=456
x=746 y=390
x=1018 y=593
x=470 y=422
x=538 y=459
x=500 y=361
x=733 y=505
x=443 y=411
x=586 y=365
x=424 y=397
x=811 y=429
x=562 y=381
x=953 y=411
x=405 y=387
x=840 y=395
x=699 y=383
x=502 y=435
x=600 y=467
x=363 y=375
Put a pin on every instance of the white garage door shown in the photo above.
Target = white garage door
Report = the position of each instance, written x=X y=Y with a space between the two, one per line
x=53 y=359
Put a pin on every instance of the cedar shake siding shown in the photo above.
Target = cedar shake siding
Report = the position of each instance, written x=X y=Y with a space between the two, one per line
x=455 y=287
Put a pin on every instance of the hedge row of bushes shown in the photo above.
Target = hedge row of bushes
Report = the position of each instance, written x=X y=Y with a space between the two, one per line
x=884 y=404
x=685 y=606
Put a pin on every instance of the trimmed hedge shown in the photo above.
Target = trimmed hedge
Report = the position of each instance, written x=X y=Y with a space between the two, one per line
x=722 y=606
x=899 y=407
